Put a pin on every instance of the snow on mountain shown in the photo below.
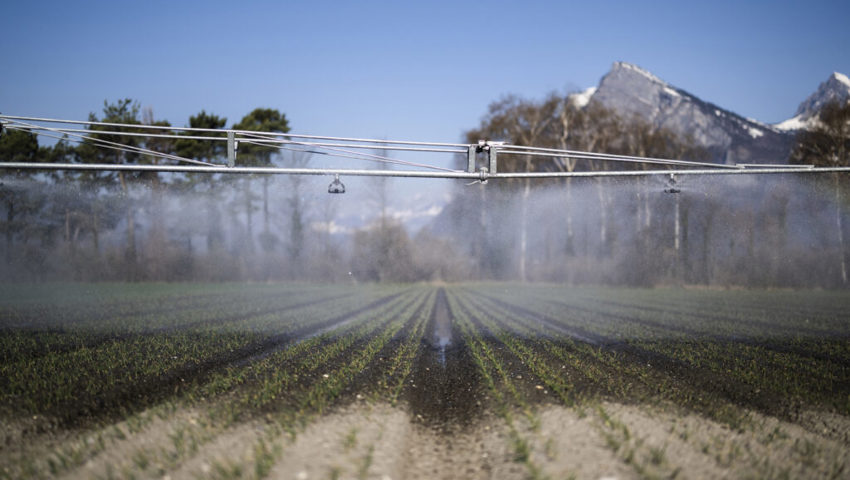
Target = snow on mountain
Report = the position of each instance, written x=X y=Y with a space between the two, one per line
x=794 y=123
x=581 y=99
x=842 y=78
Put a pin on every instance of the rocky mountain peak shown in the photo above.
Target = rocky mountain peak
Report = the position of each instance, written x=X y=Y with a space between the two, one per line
x=630 y=90
x=835 y=88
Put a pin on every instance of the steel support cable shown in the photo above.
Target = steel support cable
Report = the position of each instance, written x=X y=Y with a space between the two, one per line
x=761 y=165
x=218 y=130
x=117 y=146
x=109 y=144
x=222 y=137
x=131 y=134
x=567 y=152
x=537 y=151
x=360 y=155
x=82 y=140
x=359 y=145
x=353 y=155
x=340 y=155
x=623 y=159
x=263 y=142
x=119 y=149
x=552 y=152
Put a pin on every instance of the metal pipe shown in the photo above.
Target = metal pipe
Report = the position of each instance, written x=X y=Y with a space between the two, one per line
x=406 y=173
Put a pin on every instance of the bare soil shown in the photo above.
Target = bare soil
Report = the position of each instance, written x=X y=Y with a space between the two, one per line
x=379 y=441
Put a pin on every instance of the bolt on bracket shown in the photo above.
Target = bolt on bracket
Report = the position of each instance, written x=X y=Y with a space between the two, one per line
x=491 y=148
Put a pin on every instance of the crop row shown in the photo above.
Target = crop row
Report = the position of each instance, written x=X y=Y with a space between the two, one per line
x=755 y=369
x=500 y=383
x=269 y=379
x=297 y=378
x=569 y=368
x=110 y=370
x=57 y=336
x=634 y=322
x=61 y=305
x=760 y=312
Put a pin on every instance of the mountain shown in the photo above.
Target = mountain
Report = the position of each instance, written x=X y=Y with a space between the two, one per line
x=730 y=138
x=837 y=87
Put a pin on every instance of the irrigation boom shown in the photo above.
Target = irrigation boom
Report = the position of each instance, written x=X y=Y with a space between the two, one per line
x=481 y=158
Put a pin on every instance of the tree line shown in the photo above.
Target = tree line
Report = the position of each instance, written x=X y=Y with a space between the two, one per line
x=785 y=230
x=149 y=226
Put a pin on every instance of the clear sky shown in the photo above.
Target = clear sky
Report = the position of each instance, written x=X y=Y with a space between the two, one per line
x=404 y=70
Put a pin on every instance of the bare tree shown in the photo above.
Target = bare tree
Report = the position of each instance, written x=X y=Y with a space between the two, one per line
x=297 y=211
x=522 y=122
x=827 y=144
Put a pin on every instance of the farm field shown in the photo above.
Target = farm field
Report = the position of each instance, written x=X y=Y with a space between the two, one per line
x=487 y=380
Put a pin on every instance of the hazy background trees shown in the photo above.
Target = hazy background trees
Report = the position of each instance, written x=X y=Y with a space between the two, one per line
x=783 y=230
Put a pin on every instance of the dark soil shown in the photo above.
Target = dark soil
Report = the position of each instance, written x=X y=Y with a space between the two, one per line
x=446 y=388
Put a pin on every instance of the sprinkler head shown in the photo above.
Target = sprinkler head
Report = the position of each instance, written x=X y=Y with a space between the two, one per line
x=336 y=186
x=671 y=185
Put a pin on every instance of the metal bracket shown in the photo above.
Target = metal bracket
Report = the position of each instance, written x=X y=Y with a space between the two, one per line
x=232 y=145
x=470 y=158
x=492 y=157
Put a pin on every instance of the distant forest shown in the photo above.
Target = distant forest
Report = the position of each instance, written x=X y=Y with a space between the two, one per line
x=763 y=231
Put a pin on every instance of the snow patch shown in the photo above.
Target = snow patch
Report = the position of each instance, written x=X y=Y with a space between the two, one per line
x=718 y=113
x=796 y=123
x=754 y=132
x=671 y=92
x=842 y=78
x=581 y=99
x=756 y=122
x=636 y=69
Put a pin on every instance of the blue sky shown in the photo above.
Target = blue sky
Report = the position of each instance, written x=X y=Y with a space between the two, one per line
x=404 y=70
